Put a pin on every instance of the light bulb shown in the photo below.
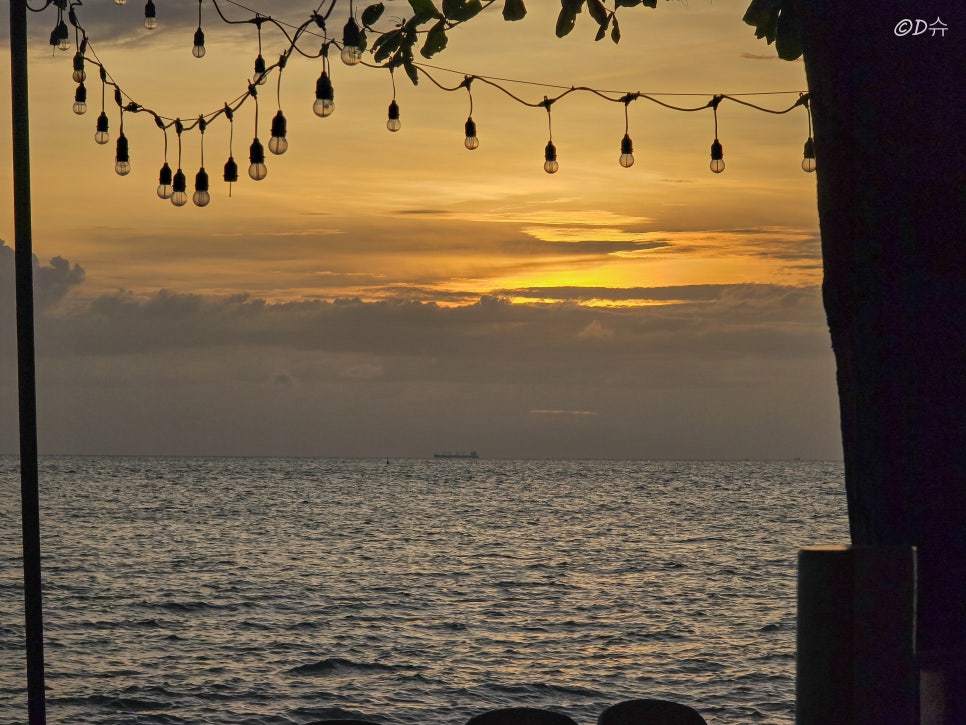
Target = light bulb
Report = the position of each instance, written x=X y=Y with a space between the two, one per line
x=256 y=155
x=278 y=144
x=201 y=197
x=393 y=124
x=165 y=189
x=324 y=96
x=180 y=195
x=808 y=156
x=717 y=157
x=79 y=75
x=627 y=152
x=550 y=164
x=198 y=51
x=471 y=141
x=80 y=100
x=122 y=165
x=150 y=15
x=120 y=2
x=351 y=39
x=351 y=55
x=102 y=136
x=60 y=37
x=260 y=73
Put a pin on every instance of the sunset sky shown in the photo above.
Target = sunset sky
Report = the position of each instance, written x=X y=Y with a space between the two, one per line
x=385 y=294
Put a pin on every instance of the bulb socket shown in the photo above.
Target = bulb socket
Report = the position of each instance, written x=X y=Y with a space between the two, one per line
x=256 y=152
x=102 y=123
x=78 y=61
x=80 y=95
x=164 y=178
x=351 y=36
x=149 y=10
x=393 y=111
x=550 y=153
x=809 y=151
x=279 y=125
x=627 y=146
x=323 y=88
x=231 y=170
x=123 y=154
x=717 y=153
x=470 y=127
x=201 y=180
x=180 y=183
x=199 y=37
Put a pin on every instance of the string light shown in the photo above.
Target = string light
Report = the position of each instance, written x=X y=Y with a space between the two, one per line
x=393 y=124
x=278 y=144
x=201 y=197
x=324 y=102
x=717 y=153
x=122 y=157
x=627 y=146
x=198 y=50
x=324 y=96
x=550 y=164
x=471 y=141
x=120 y=2
x=256 y=152
x=150 y=15
x=80 y=100
x=165 y=189
x=230 y=174
x=79 y=75
x=808 y=154
x=179 y=184
x=351 y=40
x=60 y=35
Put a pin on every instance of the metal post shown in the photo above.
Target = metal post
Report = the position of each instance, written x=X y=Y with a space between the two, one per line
x=23 y=260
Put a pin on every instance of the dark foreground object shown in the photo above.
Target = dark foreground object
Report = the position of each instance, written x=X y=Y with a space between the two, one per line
x=521 y=716
x=650 y=712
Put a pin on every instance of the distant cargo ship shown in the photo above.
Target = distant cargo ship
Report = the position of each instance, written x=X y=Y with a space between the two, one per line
x=456 y=454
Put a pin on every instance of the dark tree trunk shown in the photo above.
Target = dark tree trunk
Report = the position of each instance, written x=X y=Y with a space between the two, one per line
x=890 y=137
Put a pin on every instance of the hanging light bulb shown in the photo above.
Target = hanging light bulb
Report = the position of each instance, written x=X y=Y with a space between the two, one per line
x=808 y=156
x=102 y=136
x=150 y=15
x=717 y=157
x=201 y=197
x=256 y=155
x=324 y=96
x=60 y=36
x=180 y=186
x=351 y=39
x=120 y=2
x=550 y=164
x=198 y=51
x=122 y=165
x=260 y=75
x=471 y=141
x=627 y=152
x=79 y=75
x=278 y=144
x=393 y=123
x=80 y=100
x=165 y=189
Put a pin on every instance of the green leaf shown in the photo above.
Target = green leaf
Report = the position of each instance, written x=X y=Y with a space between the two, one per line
x=461 y=10
x=412 y=73
x=615 y=32
x=424 y=10
x=435 y=40
x=565 y=21
x=386 y=45
x=514 y=10
x=597 y=11
x=372 y=14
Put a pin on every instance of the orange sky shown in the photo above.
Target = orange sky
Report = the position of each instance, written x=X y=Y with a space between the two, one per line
x=353 y=211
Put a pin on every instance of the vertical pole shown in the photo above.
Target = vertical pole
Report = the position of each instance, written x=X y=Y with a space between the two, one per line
x=26 y=365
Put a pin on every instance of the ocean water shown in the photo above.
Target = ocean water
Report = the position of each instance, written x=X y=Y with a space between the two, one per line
x=280 y=591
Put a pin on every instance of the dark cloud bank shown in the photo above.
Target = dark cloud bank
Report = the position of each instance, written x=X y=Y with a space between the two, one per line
x=715 y=371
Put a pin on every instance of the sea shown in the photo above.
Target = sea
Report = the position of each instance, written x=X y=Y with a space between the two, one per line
x=280 y=591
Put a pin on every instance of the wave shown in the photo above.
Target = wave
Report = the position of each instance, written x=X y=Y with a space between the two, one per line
x=340 y=665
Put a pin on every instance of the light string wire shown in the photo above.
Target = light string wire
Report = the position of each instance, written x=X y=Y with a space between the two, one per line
x=294 y=33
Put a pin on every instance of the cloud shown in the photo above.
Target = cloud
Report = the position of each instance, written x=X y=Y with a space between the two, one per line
x=52 y=282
